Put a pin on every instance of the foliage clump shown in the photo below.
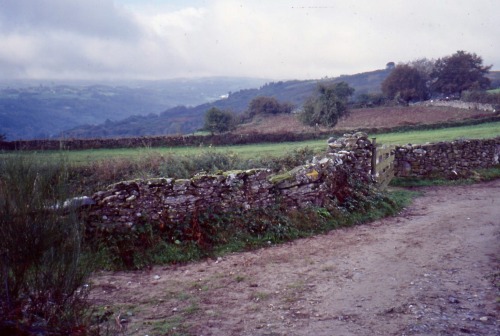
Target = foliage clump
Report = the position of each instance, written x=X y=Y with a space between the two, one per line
x=42 y=265
x=219 y=121
x=484 y=97
x=268 y=105
x=459 y=72
x=405 y=83
x=327 y=105
x=448 y=76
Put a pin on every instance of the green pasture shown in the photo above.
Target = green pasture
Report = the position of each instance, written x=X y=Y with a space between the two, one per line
x=482 y=131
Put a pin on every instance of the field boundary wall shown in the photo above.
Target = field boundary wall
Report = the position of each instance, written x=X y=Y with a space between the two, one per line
x=161 y=202
x=446 y=159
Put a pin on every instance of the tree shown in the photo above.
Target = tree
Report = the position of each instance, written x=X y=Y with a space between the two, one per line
x=268 y=105
x=425 y=66
x=458 y=72
x=405 y=83
x=327 y=105
x=390 y=65
x=217 y=120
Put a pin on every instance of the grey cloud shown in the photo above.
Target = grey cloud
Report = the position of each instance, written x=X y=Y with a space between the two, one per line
x=274 y=39
x=96 y=18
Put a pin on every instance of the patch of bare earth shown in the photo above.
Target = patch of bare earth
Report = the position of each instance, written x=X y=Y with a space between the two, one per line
x=366 y=118
x=431 y=270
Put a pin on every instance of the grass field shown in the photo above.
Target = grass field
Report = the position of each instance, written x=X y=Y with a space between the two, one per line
x=482 y=131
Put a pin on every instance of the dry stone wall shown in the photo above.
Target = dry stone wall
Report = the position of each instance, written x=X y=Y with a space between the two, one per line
x=460 y=104
x=163 y=201
x=359 y=145
x=157 y=141
x=448 y=159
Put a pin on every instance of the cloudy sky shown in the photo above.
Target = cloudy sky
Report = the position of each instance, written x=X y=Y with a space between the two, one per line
x=278 y=39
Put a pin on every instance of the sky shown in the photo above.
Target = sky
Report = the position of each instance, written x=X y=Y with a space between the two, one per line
x=274 y=39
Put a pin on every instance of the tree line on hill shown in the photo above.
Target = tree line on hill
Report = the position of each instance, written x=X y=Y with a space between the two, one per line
x=461 y=75
x=448 y=77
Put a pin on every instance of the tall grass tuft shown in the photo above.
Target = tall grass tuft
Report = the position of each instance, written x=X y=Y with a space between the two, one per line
x=42 y=268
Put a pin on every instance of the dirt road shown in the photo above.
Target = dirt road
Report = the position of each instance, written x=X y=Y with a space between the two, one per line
x=431 y=270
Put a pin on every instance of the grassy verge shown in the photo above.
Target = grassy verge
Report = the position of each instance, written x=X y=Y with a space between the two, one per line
x=479 y=175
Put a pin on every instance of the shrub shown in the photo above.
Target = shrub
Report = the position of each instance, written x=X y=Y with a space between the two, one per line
x=42 y=265
x=219 y=121
x=268 y=105
x=327 y=105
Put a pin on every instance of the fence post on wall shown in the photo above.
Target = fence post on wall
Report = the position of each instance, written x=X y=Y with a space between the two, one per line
x=374 y=156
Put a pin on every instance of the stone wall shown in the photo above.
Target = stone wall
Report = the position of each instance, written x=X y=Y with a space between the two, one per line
x=357 y=144
x=459 y=104
x=446 y=159
x=158 y=141
x=163 y=201
x=322 y=183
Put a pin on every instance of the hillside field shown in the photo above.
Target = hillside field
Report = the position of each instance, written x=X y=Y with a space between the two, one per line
x=380 y=117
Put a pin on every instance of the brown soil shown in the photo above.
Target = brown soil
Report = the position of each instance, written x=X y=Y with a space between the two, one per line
x=366 y=118
x=431 y=270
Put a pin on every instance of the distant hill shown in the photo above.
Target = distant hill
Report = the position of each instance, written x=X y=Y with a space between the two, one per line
x=185 y=120
x=44 y=109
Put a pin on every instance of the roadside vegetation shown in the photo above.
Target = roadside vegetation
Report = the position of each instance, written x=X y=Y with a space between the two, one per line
x=43 y=263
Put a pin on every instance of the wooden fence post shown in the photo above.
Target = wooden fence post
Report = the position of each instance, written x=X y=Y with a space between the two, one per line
x=374 y=156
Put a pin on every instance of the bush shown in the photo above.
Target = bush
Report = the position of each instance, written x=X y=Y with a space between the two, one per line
x=42 y=265
x=220 y=121
x=327 y=105
x=268 y=105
